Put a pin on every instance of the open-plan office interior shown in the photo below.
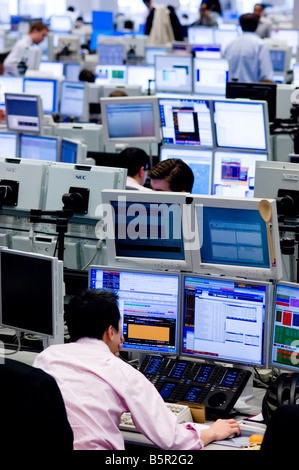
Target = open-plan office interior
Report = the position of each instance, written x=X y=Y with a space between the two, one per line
x=208 y=281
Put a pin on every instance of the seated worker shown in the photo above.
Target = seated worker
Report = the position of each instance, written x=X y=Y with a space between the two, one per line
x=205 y=17
x=264 y=26
x=249 y=56
x=97 y=386
x=172 y=175
x=137 y=163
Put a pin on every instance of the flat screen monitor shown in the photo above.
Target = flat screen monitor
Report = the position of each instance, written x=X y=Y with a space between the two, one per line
x=149 y=304
x=24 y=113
x=186 y=122
x=38 y=306
x=255 y=91
x=10 y=85
x=130 y=119
x=284 y=339
x=52 y=68
x=152 y=51
x=111 y=54
x=207 y=51
x=72 y=151
x=210 y=76
x=35 y=147
x=26 y=180
x=200 y=162
x=201 y=35
x=84 y=185
x=234 y=173
x=61 y=23
x=234 y=239
x=9 y=147
x=106 y=74
x=74 y=100
x=289 y=36
x=173 y=73
x=46 y=89
x=241 y=124
x=225 y=319
x=225 y=37
x=142 y=75
x=281 y=59
x=71 y=71
x=147 y=230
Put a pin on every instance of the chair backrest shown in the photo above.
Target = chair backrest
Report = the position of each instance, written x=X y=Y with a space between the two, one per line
x=33 y=414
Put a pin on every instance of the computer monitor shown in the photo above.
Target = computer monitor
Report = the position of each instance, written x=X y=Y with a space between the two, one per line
x=152 y=51
x=281 y=62
x=296 y=74
x=201 y=35
x=133 y=119
x=186 y=121
x=35 y=147
x=142 y=75
x=25 y=181
x=46 y=89
x=241 y=124
x=254 y=91
x=106 y=74
x=225 y=37
x=283 y=344
x=200 y=162
x=10 y=85
x=74 y=100
x=9 y=145
x=72 y=151
x=210 y=76
x=24 y=113
x=61 y=23
x=289 y=36
x=234 y=238
x=234 y=173
x=207 y=51
x=173 y=73
x=52 y=68
x=225 y=319
x=38 y=306
x=111 y=54
x=147 y=230
x=149 y=304
x=79 y=188
x=71 y=71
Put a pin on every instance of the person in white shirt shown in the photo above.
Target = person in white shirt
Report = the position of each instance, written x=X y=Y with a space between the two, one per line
x=264 y=26
x=13 y=62
x=97 y=386
x=137 y=163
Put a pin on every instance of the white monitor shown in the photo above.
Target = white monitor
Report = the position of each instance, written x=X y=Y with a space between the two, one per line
x=147 y=230
x=151 y=326
x=241 y=124
x=201 y=35
x=142 y=75
x=61 y=23
x=200 y=162
x=283 y=343
x=10 y=85
x=24 y=113
x=38 y=306
x=210 y=76
x=36 y=147
x=72 y=151
x=173 y=73
x=26 y=178
x=186 y=122
x=72 y=71
x=152 y=51
x=290 y=36
x=234 y=173
x=52 y=68
x=225 y=319
x=225 y=37
x=281 y=59
x=111 y=54
x=234 y=239
x=132 y=119
x=47 y=89
x=84 y=185
x=68 y=43
x=106 y=74
x=74 y=100
x=9 y=145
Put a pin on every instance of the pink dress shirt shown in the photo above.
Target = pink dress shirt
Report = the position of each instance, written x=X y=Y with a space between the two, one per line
x=97 y=387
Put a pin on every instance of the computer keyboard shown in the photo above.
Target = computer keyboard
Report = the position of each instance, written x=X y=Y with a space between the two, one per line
x=182 y=413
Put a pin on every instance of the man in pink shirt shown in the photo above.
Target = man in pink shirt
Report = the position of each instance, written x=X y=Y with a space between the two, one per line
x=97 y=386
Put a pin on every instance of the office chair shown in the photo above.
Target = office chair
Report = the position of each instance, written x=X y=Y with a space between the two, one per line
x=32 y=411
x=282 y=430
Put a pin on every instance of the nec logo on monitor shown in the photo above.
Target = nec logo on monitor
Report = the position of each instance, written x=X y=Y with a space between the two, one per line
x=80 y=177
